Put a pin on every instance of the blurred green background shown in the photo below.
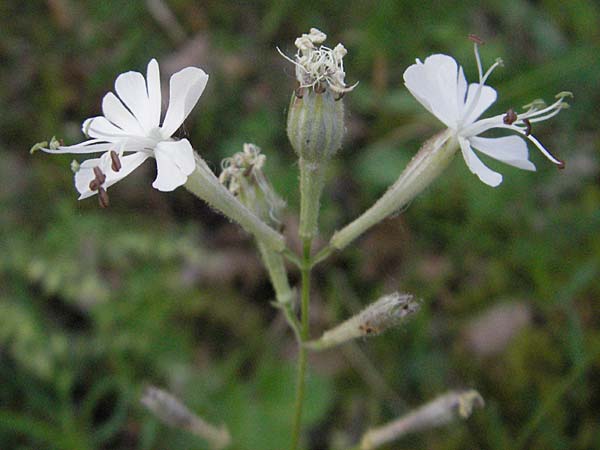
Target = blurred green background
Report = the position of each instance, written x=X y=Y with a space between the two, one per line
x=95 y=304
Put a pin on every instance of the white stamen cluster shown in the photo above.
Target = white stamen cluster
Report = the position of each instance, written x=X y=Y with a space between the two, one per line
x=317 y=64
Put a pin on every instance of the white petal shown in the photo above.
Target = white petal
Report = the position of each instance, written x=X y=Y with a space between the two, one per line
x=508 y=149
x=99 y=127
x=487 y=97
x=475 y=165
x=131 y=88
x=154 y=93
x=439 y=85
x=174 y=162
x=115 y=112
x=186 y=87
x=85 y=174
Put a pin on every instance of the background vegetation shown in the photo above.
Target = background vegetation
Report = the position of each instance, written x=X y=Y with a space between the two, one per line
x=159 y=289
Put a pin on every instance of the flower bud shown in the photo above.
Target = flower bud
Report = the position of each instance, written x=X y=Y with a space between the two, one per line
x=171 y=411
x=243 y=175
x=440 y=411
x=385 y=313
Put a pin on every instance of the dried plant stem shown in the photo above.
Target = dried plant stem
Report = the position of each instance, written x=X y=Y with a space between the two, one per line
x=304 y=335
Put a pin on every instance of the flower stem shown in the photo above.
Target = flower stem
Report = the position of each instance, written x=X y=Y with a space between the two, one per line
x=304 y=335
x=205 y=185
x=433 y=157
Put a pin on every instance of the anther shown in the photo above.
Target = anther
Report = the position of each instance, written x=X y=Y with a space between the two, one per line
x=116 y=162
x=476 y=39
x=339 y=96
x=561 y=164
x=100 y=177
x=527 y=127
x=103 y=198
x=299 y=92
x=510 y=117
x=94 y=185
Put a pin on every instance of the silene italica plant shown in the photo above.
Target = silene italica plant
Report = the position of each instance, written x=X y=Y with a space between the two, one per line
x=132 y=129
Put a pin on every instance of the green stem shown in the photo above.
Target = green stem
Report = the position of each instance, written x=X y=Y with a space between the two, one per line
x=274 y=263
x=322 y=255
x=304 y=335
x=205 y=185
x=431 y=160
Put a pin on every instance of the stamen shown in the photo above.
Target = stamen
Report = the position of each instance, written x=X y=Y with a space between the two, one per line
x=116 y=162
x=100 y=177
x=497 y=63
x=482 y=78
x=476 y=39
x=478 y=59
x=103 y=198
x=546 y=153
x=299 y=92
x=94 y=185
x=510 y=117
x=535 y=118
x=527 y=127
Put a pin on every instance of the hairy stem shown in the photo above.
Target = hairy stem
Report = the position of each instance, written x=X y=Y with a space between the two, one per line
x=433 y=157
x=205 y=185
x=304 y=335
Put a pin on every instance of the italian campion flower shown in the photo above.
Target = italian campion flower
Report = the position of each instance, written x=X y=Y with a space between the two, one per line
x=130 y=132
x=439 y=84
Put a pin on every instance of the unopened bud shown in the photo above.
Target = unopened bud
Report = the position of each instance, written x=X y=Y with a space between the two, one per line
x=441 y=411
x=385 y=313
x=172 y=412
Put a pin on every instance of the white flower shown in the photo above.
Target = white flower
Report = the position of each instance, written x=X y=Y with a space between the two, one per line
x=439 y=84
x=318 y=65
x=129 y=132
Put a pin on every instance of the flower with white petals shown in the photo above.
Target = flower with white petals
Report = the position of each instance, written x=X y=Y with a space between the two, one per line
x=130 y=132
x=317 y=66
x=439 y=84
